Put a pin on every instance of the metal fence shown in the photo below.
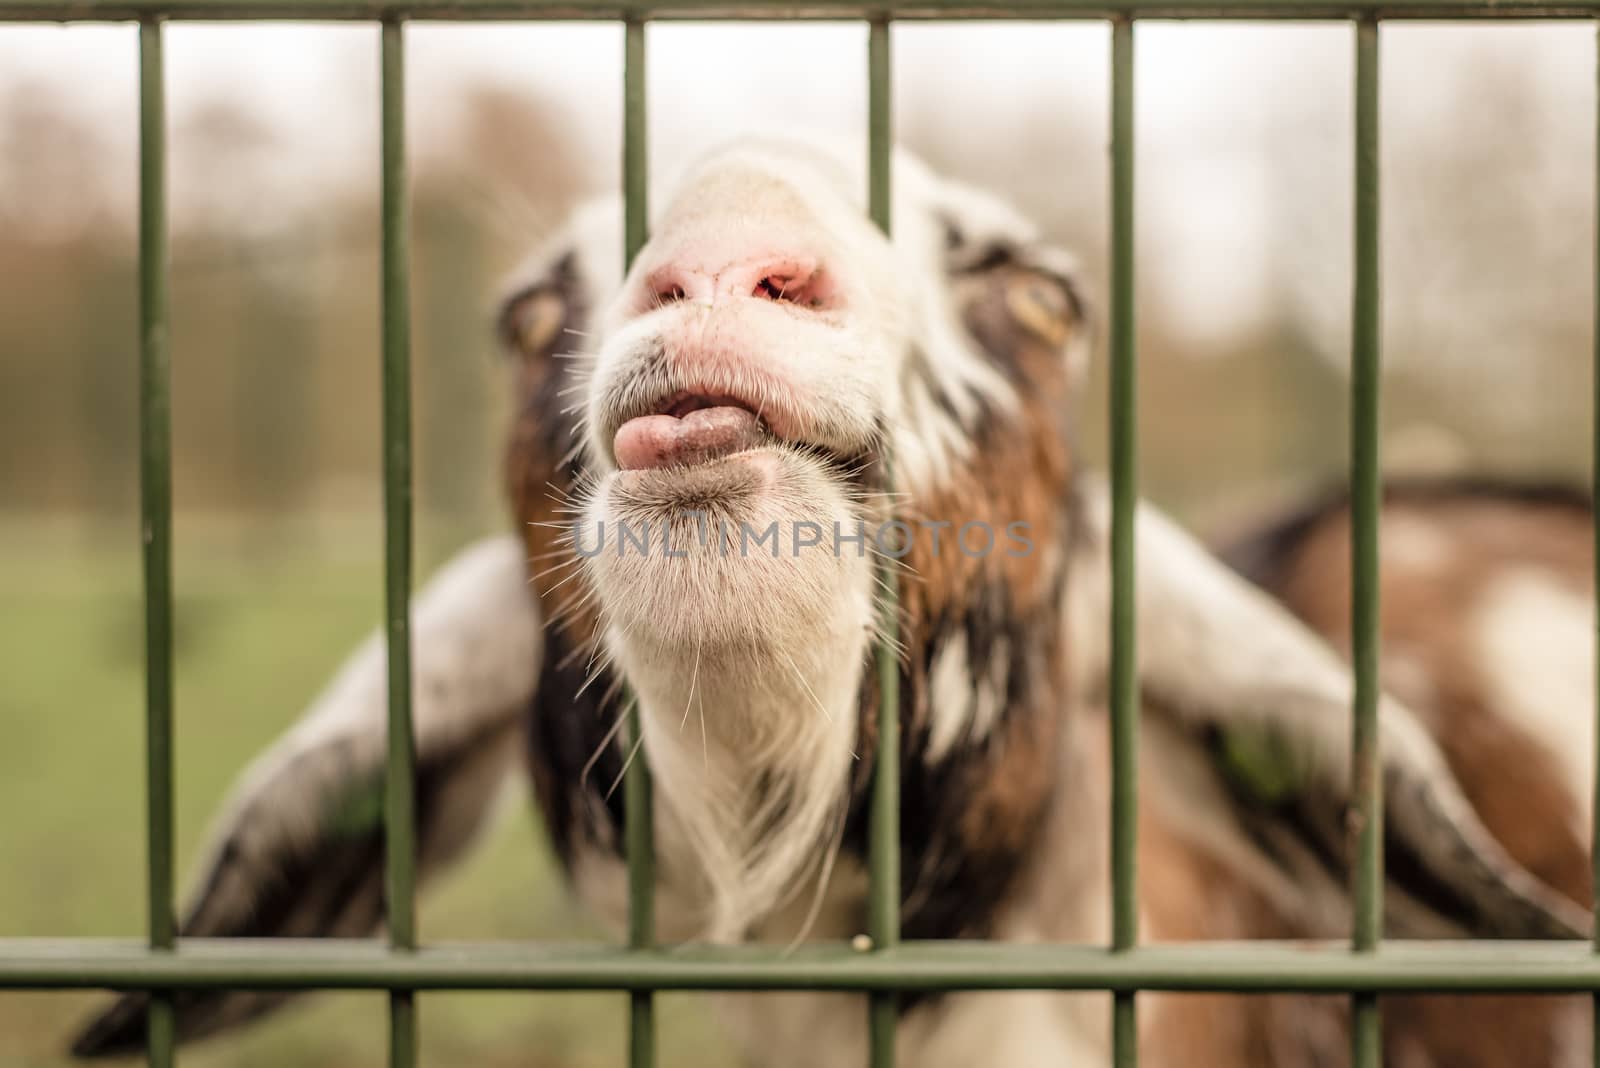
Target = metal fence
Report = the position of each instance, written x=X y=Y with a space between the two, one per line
x=1363 y=968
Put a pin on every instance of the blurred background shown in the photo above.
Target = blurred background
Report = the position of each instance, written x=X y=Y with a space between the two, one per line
x=1244 y=292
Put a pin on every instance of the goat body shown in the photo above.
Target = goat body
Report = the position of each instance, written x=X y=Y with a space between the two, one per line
x=704 y=493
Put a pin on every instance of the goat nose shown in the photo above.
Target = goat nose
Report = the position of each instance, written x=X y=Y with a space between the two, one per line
x=793 y=279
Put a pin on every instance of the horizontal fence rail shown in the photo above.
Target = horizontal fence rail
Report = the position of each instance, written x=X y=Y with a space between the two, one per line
x=1238 y=967
x=755 y=10
x=1364 y=966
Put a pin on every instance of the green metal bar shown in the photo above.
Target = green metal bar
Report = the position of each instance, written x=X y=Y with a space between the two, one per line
x=1241 y=967
x=898 y=10
x=637 y=796
x=641 y=1029
x=155 y=374
x=1366 y=786
x=635 y=142
x=884 y=851
x=1594 y=474
x=880 y=126
x=401 y=767
x=1124 y=448
x=155 y=493
x=402 y=1028
x=161 y=1031
x=401 y=803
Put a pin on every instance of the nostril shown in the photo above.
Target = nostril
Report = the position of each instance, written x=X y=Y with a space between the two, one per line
x=667 y=284
x=804 y=288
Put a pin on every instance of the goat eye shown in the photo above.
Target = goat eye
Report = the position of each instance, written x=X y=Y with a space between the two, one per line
x=771 y=288
x=1043 y=308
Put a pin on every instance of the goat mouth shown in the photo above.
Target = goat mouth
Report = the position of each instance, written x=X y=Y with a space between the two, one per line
x=689 y=429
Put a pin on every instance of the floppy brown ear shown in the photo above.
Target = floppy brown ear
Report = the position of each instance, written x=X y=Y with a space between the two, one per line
x=299 y=850
x=1226 y=662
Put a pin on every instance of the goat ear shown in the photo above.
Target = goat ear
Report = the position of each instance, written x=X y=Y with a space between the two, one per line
x=1225 y=661
x=299 y=850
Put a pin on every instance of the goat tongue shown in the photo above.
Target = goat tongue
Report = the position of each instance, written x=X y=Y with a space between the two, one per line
x=701 y=435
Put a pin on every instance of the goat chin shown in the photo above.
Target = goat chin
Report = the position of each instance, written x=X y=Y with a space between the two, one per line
x=733 y=648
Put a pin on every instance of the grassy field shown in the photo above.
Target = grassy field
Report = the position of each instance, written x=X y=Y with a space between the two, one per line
x=263 y=618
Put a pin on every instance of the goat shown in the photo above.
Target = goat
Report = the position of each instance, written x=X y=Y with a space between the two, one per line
x=752 y=372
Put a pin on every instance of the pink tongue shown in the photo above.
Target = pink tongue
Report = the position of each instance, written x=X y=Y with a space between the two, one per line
x=667 y=441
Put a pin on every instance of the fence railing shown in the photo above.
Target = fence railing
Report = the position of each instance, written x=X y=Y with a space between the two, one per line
x=1364 y=967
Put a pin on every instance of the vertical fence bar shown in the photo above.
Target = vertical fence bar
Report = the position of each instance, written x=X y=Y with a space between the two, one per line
x=637 y=792
x=400 y=771
x=1366 y=785
x=155 y=505
x=1124 y=502
x=884 y=858
x=1594 y=474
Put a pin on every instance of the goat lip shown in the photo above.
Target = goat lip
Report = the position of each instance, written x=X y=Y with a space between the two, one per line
x=703 y=432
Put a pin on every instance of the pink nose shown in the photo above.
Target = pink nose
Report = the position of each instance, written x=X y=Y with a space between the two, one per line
x=790 y=279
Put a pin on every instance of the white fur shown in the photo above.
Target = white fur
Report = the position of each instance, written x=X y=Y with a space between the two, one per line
x=1535 y=643
x=1214 y=646
x=964 y=698
x=949 y=695
x=746 y=669
x=476 y=648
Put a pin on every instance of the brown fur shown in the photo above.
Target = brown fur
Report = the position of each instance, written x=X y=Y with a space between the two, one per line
x=1426 y=605
x=1425 y=608
x=1022 y=473
x=540 y=488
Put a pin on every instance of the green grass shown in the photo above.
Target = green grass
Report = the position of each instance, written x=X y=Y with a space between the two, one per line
x=262 y=622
